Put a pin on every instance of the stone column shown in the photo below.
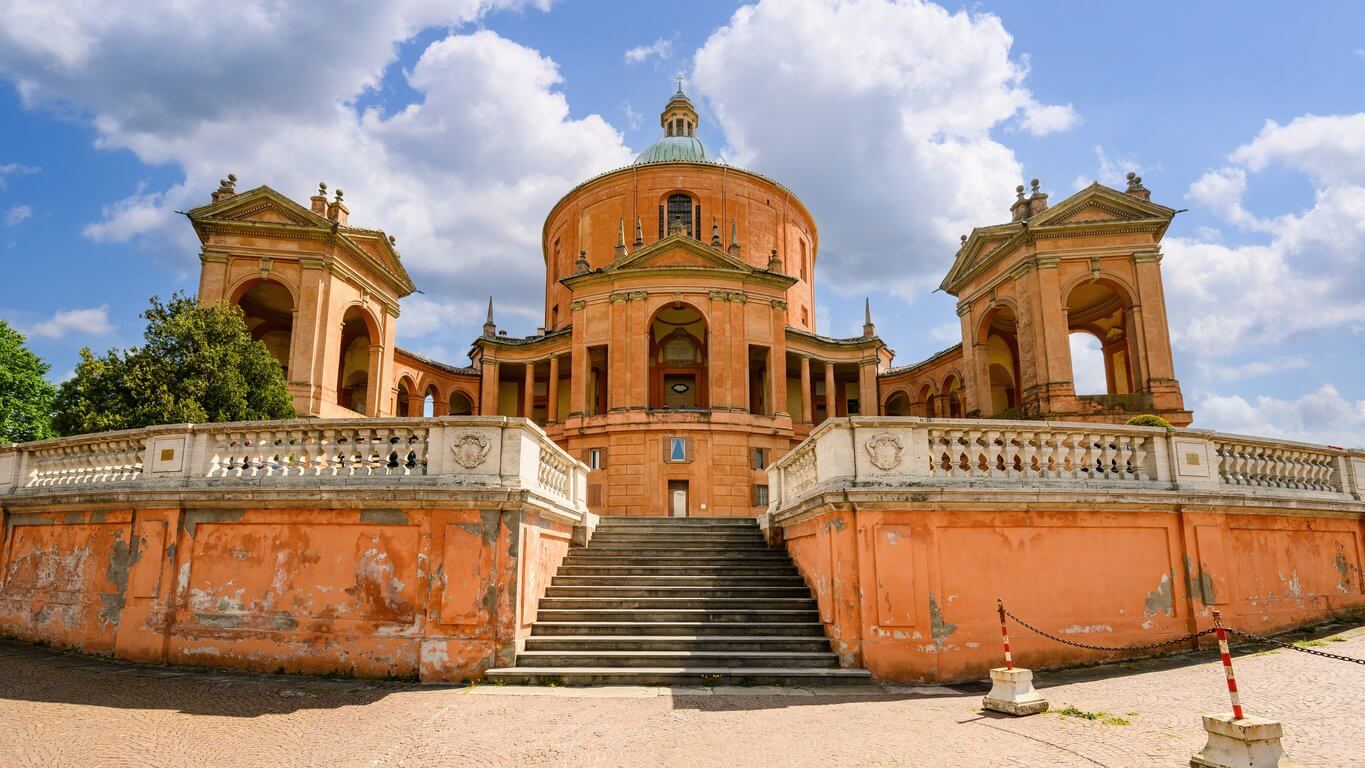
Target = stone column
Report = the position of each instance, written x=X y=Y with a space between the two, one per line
x=374 y=384
x=777 y=360
x=830 y=409
x=806 y=417
x=581 y=366
x=869 y=399
x=528 y=390
x=552 y=404
x=488 y=397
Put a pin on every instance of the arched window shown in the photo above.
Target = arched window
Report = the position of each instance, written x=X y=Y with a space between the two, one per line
x=677 y=364
x=679 y=215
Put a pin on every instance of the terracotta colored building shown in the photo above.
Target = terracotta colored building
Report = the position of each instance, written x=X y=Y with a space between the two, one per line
x=679 y=354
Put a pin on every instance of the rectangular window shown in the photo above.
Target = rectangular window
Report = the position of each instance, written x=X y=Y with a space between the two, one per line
x=676 y=450
x=597 y=458
x=760 y=458
x=760 y=495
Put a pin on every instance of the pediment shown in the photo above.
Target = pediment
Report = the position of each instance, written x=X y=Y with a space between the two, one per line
x=261 y=205
x=1098 y=203
x=679 y=252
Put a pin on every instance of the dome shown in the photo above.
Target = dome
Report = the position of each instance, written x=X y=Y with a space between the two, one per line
x=674 y=149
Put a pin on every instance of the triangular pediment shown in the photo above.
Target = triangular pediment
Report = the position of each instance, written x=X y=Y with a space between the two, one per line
x=261 y=205
x=679 y=252
x=1098 y=203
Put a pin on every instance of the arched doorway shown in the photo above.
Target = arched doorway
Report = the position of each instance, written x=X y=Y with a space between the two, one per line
x=1098 y=319
x=403 y=402
x=460 y=404
x=268 y=309
x=1000 y=332
x=677 y=359
x=353 y=374
x=897 y=405
x=952 y=395
x=925 y=405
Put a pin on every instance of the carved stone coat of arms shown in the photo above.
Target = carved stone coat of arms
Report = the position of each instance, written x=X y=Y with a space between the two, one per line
x=885 y=450
x=470 y=450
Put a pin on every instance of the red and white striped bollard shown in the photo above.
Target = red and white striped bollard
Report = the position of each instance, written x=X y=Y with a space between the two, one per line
x=1227 y=663
x=1004 y=633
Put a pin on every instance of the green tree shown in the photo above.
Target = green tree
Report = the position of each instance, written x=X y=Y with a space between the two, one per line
x=25 y=394
x=198 y=364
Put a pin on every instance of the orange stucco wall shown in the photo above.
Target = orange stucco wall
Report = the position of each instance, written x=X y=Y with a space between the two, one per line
x=437 y=593
x=910 y=593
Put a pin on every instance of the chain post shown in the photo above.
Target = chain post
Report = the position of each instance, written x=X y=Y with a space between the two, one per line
x=1227 y=664
x=1004 y=633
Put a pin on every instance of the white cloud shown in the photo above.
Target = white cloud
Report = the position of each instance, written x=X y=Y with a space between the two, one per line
x=1323 y=416
x=1254 y=368
x=1110 y=171
x=1308 y=275
x=18 y=215
x=661 y=49
x=88 y=322
x=463 y=176
x=1329 y=149
x=633 y=118
x=879 y=115
x=15 y=169
x=1042 y=119
x=947 y=333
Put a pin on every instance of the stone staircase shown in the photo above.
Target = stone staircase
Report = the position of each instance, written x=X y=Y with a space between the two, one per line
x=677 y=601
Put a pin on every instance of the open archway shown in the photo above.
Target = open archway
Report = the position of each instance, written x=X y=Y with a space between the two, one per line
x=678 y=359
x=925 y=402
x=353 y=369
x=898 y=404
x=268 y=309
x=952 y=396
x=460 y=404
x=1000 y=331
x=1098 y=319
x=403 y=401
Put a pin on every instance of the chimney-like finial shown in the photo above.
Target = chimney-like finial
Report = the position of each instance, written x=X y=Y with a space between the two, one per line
x=582 y=265
x=490 y=329
x=734 y=238
x=639 y=233
x=1135 y=187
x=1019 y=210
x=226 y=188
x=1037 y=202
x=869 y=330
x=715 y=232
x=774 y=263
x=1034 y=184
x=620 y=238
x=318 y=202
x=337 y=210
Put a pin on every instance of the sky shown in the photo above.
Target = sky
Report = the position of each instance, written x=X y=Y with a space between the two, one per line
x=456 y=125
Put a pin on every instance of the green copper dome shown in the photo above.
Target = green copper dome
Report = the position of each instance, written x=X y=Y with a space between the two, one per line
x=674 y=149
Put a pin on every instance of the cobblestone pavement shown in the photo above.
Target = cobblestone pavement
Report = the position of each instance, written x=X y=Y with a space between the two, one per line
x=67 y=710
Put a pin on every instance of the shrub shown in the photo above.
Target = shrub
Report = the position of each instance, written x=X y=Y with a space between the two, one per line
x=1148 y=420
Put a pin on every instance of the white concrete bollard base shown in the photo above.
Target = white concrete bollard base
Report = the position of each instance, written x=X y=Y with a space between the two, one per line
x=1012 y=693
x=1252 y=742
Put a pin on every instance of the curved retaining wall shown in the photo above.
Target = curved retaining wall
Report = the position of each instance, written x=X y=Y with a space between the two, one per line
x=909 y=529
x=394 y=547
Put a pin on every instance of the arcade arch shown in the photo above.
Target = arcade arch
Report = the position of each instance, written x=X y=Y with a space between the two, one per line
x=678 y=358
x=268 y=309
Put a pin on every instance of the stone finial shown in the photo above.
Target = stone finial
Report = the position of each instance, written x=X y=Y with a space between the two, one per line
x=869 y=330
x=226 y=188
x=490 y=329
x=1135 y=187
x=639 y=233
x=774 y=262
x=963 y=239
x=620 y=238
x=1037 y=202
x=581 y=266
x=1019 y=210
x=715 y=232
x=337 y=210
x=318 y=202
x=393 y=240
x=734 y=238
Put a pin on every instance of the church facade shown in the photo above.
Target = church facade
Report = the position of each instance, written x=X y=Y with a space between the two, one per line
x=679 y=353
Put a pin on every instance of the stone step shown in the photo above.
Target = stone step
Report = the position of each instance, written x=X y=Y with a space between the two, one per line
x=636 y=591
x=689 y=675
x=664 y=603
x=692 y=580
x=587 y=643
x=645 y=615
x=678 y=570
x=588 y=557
x=701 y=535
x=679 y=549
x=749 y=529
x=675 y=522
x=802 y=659
x=794 y=628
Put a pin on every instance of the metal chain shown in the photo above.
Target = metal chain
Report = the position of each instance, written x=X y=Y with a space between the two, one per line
x=1293 y=647
x=1142 y=647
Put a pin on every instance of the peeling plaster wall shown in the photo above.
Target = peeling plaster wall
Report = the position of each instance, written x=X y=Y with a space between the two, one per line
x=910 y=593
x=431 y=593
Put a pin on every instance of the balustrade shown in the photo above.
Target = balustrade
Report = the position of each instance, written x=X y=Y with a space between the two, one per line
x=1268 y=465
x=360 y=450
x=1039 y=454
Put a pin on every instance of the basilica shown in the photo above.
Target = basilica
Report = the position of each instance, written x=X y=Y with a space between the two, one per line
x=679 y=353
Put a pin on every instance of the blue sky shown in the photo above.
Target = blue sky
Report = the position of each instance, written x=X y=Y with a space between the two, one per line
x=455 y=125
